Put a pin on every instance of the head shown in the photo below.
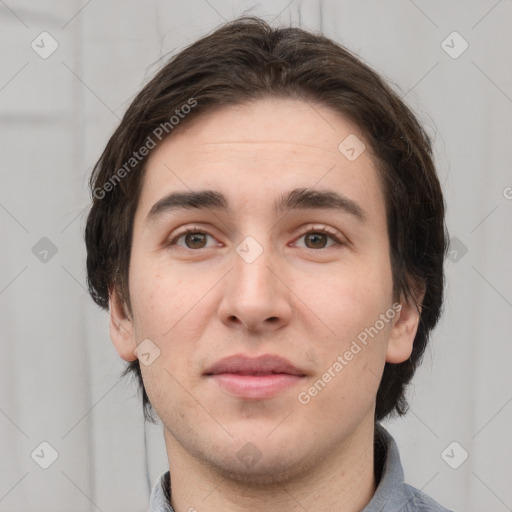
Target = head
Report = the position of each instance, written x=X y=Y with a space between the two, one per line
x=287 y=138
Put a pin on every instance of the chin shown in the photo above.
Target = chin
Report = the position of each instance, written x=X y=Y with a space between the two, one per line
x=274 y=471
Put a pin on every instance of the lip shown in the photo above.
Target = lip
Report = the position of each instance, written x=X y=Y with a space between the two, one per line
x=254 y=377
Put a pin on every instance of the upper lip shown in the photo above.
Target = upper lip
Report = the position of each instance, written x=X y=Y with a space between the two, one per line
x=247 y=365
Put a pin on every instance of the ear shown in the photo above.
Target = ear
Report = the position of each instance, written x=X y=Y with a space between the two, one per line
x=403 y=332
x=121 y=327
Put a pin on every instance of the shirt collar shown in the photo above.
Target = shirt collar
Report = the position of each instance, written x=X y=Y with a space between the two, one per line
x=159 y=499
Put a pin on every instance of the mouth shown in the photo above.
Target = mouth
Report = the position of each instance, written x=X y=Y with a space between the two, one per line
x=254 y=377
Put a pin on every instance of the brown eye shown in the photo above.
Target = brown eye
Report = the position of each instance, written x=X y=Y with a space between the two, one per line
x=193 y=239
x=315 y=240
x=319 y=238
x=196 y=240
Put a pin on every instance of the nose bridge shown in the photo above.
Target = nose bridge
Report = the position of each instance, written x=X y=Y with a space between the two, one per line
x=251 y=273
x=254 y=297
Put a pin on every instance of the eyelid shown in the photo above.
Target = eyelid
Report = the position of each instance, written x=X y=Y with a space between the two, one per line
x=304 y=230
x=322 y=228
x=186 y=231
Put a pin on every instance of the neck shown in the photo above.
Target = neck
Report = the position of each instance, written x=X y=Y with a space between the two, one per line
x=343 y=481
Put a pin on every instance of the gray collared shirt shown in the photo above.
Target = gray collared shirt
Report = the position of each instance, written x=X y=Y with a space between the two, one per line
x=392 y=494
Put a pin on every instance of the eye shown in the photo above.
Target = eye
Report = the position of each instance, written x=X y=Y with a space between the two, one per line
x=193 y=239
x=319 y=239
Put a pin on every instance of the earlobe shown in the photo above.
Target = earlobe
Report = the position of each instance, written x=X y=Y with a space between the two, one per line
x=403 y=332
x=121 y=328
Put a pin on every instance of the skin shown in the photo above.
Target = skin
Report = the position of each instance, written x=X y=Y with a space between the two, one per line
x=297 y=300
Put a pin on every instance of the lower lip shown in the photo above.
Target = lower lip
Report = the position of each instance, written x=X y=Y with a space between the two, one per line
x=255 y=386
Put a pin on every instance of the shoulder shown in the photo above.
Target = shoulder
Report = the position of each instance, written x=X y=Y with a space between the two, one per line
x=159 y=500
x=417 y=501
x=392 y=493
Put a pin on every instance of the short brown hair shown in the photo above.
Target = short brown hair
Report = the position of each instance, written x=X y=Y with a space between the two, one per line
x=245 y=60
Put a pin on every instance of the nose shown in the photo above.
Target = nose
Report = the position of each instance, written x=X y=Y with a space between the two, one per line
x=256 y=297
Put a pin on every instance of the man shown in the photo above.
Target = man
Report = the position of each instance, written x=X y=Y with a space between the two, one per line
x=267 y=231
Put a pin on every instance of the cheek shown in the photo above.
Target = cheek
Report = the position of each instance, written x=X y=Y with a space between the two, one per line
x=171 y=308
x=158 y=295
x=168 y=310
x=353 y=353
x=350 y=299
x=351 y=361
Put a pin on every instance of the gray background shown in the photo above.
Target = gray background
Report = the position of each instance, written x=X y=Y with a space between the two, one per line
x=58 y=370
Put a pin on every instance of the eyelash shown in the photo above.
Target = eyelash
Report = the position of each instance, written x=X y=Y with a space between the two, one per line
x=325 y=230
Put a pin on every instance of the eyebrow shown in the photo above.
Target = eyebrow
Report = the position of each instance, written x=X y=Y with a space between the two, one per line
x=201 y=199
x=297 y=199
x=304 y=198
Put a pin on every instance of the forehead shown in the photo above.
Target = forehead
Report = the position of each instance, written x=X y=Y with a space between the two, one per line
x=298 y=126
x=260 y=149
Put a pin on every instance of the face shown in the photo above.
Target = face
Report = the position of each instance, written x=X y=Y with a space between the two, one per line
x=262 y=308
